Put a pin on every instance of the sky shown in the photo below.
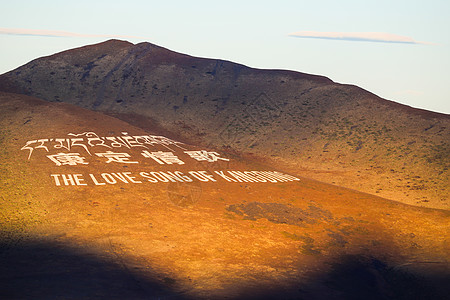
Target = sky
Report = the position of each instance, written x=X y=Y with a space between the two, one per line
x=396 y=49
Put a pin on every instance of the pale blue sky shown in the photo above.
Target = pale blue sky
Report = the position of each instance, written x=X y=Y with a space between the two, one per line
x=257 y=34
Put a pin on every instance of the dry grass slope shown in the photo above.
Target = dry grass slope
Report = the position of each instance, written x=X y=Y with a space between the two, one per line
x=308 y=124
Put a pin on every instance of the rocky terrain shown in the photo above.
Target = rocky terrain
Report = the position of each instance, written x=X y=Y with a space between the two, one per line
x=90 y=209
x=305 y=124
x=135 y=172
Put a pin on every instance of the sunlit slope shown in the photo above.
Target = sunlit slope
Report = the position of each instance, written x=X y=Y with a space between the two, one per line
x=206 y=225
x=331 y=132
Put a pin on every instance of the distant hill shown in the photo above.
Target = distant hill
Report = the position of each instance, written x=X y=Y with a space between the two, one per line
x=305 y=124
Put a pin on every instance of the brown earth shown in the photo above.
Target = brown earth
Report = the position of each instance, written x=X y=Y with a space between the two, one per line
x=287 y=240
x=306 y=124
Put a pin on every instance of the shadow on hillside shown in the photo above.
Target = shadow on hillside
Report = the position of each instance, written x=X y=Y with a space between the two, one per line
x=358 y=277
x=41 y=270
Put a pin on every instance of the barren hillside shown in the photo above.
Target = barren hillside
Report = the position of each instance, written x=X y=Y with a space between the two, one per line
x=309 y=125
x=93 y=207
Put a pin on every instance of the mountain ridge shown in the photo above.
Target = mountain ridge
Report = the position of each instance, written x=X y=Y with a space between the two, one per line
x=332 y=132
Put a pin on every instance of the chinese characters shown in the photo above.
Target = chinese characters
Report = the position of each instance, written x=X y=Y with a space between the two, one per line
x=88 y=144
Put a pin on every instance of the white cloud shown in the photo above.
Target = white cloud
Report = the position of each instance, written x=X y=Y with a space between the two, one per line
x=379 y=37
x=55 y=33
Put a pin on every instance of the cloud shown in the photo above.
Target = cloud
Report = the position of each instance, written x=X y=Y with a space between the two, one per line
x=378 y=37
x=55 y=33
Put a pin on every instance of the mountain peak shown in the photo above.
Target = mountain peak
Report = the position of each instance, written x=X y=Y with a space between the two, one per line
x=333 y=132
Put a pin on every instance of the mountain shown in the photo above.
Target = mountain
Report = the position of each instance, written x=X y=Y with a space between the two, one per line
x=94 y=207
x=305 y=124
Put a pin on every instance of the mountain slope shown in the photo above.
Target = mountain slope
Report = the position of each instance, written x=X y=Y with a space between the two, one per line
x=78 y=224
x=307 y=124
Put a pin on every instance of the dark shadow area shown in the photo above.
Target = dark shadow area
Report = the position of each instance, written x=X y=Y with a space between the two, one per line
x=42 y=270
x=359 y=277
